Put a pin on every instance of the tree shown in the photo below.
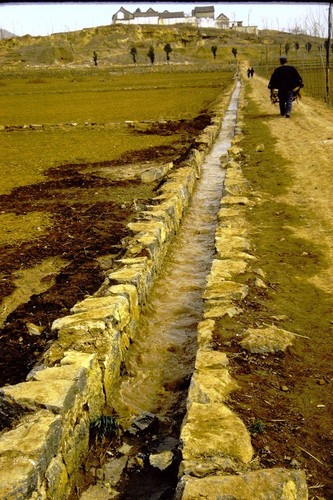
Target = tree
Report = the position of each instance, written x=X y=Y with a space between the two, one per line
x=214 y=50
x=133 y=54
x=287 y=48
x=95 y=58
x=151 y=54
x=168 y=50
x=234 y=51
x=316 y=22
x=308 y=47
x=327 y=46
x=296 y=45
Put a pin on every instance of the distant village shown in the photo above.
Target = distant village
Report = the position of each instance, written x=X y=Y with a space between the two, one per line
x=203 y=17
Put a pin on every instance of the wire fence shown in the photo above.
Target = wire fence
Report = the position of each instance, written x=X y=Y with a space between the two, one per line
x=313 y=72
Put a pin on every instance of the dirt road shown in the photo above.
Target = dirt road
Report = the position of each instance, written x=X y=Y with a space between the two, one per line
x=306 y=143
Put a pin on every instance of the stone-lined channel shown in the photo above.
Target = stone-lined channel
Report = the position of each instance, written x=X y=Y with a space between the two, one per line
x=161 y=358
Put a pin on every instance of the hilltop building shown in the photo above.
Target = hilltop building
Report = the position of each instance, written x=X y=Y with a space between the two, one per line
x=203 y=17
x=5 y=34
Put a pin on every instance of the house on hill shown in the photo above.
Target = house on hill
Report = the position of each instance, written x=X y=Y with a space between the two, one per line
x=151 y=16
x=5 y=34
x=203 y=17
x=169 y=18
x=222 y=21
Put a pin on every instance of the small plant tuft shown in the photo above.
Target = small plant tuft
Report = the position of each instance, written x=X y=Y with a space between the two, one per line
x=258 y=427
x=104 y=426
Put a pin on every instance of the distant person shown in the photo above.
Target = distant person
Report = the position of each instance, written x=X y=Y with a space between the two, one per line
x=251 y=72
x=248 y=72
x=285 y=79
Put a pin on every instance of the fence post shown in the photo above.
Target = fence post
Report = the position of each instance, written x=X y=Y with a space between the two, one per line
x=328 y=48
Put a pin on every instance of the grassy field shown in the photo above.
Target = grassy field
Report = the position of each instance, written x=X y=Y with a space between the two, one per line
x=102 y=96
x=81 y=116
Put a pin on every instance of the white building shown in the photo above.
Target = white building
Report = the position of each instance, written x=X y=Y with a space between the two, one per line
x=203 y=17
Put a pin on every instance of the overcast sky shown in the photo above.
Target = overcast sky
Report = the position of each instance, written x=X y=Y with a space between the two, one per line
x=38 y=18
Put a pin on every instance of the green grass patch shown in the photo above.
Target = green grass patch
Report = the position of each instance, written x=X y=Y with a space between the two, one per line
x=84 y=116
x=29 y=154
x=17 y=227
x=108 y=98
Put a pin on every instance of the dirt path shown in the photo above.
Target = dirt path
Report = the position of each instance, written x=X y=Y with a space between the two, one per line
x=306 y=143
x=285 y=399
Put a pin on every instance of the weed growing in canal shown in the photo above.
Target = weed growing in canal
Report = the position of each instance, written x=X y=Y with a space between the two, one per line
x=104 y=426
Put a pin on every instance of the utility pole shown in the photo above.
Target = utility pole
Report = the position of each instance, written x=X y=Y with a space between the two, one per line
x=248 y=17
x=328 y=48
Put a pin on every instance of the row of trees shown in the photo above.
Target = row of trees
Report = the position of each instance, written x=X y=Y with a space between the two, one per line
x=151 y=54
x=167 y=49
x=214 y=51
x=307 y=46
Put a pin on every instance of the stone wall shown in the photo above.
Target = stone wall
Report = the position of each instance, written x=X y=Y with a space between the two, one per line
x=41 y=455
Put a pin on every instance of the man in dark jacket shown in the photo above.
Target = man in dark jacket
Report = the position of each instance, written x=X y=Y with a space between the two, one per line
x=285 y=78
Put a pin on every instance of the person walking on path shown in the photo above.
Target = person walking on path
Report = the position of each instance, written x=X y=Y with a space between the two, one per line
x=285 y=79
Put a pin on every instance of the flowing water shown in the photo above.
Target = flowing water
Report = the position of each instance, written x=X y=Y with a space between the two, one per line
x=161 y=359
x=163 y=352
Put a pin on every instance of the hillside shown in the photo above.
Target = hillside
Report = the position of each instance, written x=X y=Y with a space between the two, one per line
x=113 y=43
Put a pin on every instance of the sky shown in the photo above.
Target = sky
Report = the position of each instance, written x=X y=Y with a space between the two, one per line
x=38 y=18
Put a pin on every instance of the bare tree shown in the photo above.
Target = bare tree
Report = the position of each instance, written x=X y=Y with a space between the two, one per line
x=133 y=53
x=151 y=54
x=296 y=29
x=297 y=46
x=214 y=50
x=316 y=23
x=167 y=50
x=95 y=58
x=308 y=47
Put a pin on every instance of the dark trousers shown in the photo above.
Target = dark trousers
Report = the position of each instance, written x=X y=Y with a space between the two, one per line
x=285 y=101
